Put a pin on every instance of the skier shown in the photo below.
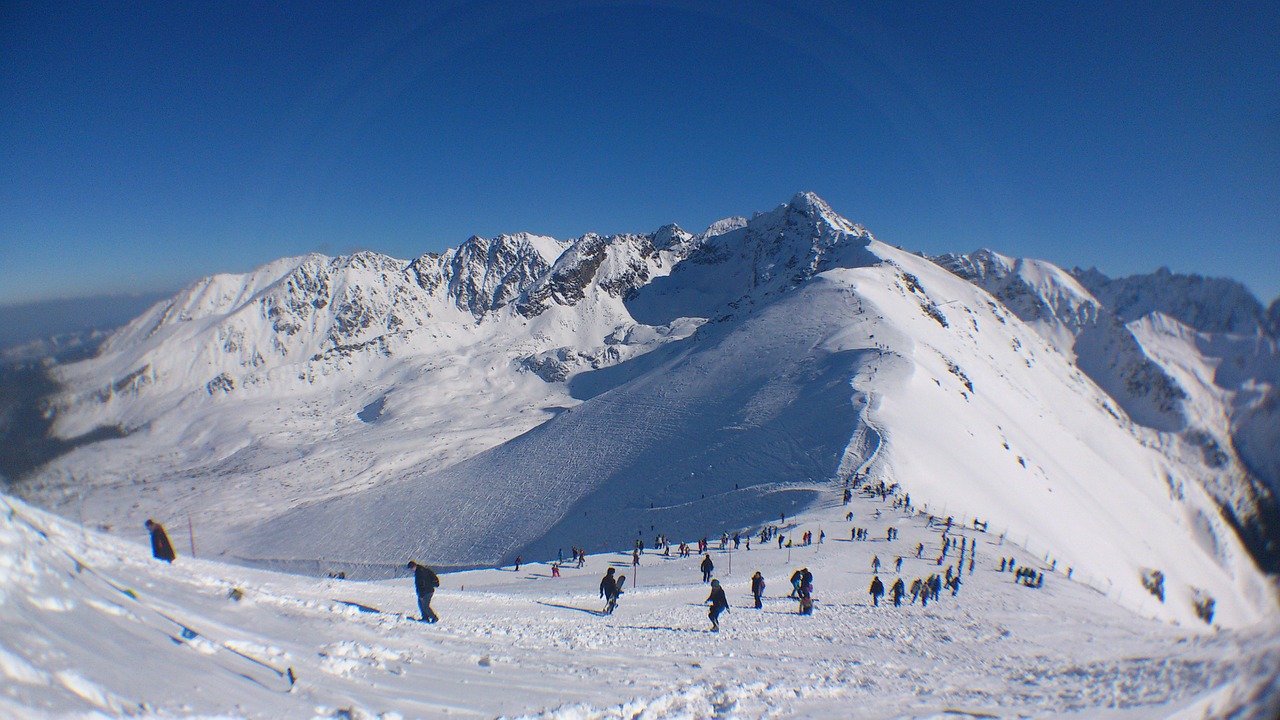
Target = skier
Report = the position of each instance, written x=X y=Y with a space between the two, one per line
x=877 y=590
x=757 y=588
x=425 y=581
x=707 y=567
x=161 y=549
x=719 y=604
x=898 y=590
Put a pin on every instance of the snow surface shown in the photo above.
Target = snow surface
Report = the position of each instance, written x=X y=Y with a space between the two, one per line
x=93 y=627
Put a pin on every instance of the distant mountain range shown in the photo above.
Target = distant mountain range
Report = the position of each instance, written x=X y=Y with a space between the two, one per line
x=521 y=394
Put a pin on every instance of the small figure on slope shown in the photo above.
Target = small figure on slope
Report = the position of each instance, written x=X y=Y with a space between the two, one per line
x=719 y=604
x=425 y=581
x=161 y=549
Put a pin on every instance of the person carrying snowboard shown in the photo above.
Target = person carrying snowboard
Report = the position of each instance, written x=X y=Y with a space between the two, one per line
x=425 y=581
x=161 y=549
x=719 y=604
x=609 y=590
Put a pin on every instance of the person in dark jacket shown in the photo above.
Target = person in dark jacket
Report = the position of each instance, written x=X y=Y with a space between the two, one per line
x=897 y=591
x=877 y=590
x=707 y=567
x=797 y=581
x=425 y=581
x=161 y=549
x=757 y=589
x=609 y=591
x=719 y=603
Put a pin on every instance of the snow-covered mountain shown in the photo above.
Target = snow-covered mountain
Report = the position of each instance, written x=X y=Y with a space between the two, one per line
x=1192 y=357
x=519 y=395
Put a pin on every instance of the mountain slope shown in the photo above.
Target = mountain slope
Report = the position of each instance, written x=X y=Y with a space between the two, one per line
x=503 y=399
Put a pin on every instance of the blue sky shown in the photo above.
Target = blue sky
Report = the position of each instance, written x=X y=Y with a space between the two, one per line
x=147 y=144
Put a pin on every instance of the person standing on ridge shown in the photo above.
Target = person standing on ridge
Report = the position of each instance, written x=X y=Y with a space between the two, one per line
x=425 y=581
x=719 y=604
x=161 y=549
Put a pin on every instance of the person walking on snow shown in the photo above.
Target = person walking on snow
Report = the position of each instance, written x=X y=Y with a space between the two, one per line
x=719 y=604
x=877 y=590
x=609 y=591
x=898 y=590
x=797 y=579
x=757 y=589
x=161 y=549
x=875 y=564
x=707 y=567
x=425 y=582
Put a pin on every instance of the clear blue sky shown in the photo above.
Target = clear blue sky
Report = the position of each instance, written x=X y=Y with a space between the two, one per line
x=143 y=145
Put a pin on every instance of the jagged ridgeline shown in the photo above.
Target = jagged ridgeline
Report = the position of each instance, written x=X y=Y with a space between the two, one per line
x=521 y=394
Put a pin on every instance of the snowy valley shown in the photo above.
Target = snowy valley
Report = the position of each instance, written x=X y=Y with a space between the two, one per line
x=519 y=395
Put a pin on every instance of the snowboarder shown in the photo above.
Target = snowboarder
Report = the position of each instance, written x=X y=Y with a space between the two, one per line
x=719 y=604
x=707 y=567
x=877 y=590
x=161 y=549
x=425 y=581
x=757 y=588
x=898 y=590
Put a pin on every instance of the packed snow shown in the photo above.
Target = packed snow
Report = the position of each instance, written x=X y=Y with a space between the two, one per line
x=93 y=626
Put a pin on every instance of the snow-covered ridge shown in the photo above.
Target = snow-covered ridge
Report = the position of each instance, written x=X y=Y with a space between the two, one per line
x=1183 y=354
x=520 y=393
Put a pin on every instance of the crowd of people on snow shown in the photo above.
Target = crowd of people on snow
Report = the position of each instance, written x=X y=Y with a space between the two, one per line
x=924 y=590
